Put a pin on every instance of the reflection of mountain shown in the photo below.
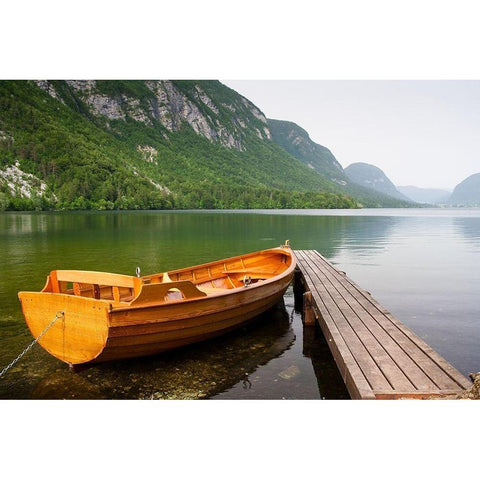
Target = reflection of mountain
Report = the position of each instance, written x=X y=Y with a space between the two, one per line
x=197 y=371
x=469 y=228
x=362 y=235
x=324 y=233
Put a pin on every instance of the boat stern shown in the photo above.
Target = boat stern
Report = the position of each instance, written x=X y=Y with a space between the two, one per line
x=79 y=335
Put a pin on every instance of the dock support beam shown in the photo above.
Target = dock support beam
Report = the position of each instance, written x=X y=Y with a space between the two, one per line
x=303 y=299
x=308 y=311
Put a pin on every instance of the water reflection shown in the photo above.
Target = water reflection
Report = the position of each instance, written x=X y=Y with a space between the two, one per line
x=469 y=228
x=421 y=265
x=329 y=381
x=306 y=370
x=426 y=274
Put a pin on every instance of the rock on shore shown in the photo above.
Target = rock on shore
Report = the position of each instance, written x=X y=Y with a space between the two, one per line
x=473 y=393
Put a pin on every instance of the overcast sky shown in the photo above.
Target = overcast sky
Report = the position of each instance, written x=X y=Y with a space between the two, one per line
x=423 y=133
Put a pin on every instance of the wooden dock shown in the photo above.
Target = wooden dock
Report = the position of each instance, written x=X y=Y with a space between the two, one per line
x=378 y=357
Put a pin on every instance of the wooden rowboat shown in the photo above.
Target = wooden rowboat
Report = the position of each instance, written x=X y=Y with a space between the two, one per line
x=109 y=316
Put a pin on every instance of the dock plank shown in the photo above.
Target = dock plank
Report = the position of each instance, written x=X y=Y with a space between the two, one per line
x=378 y=356
x=354 y=378
x=442 y=373
x=363 y=359
x=422 y=369
x=395 y=362
x=395 y=343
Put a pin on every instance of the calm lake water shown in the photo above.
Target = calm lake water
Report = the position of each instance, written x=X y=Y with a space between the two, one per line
x=421 y=264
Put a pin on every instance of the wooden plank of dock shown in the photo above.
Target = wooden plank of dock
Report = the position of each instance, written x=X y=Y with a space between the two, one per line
x=378 y=357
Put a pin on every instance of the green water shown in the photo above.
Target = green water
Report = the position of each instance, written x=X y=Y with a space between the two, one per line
x=421 y=264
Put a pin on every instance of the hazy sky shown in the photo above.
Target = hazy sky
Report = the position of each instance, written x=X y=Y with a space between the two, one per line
x=421 y=132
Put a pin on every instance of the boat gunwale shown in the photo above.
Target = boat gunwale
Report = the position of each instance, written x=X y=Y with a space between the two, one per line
x=237 y=257
x=221 y=293
x=127 y=306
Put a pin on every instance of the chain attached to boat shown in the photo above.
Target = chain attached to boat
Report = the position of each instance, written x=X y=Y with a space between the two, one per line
x=247 y=281
x=58 y=315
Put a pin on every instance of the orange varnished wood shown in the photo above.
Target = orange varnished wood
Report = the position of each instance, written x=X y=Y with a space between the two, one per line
x=153 y=293
x=111 y=316
x=130 y=344
x=98 y=278
x=79 y=336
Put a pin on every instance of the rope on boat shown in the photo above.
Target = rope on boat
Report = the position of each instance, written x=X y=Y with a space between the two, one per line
x=58 y=315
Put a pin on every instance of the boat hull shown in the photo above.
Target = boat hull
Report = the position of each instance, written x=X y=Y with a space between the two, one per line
x=133 y=334
x=95 y=330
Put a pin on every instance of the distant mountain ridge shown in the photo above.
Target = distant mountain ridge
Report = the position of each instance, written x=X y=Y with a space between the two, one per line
x=296 y=141
x=425 y=195
x=373 y=177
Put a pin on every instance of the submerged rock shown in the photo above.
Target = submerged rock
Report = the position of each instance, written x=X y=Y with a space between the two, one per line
x=290 y=372
x=67 y=385
x=200 y=370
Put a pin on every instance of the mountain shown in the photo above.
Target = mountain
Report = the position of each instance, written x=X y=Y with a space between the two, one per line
x=146 y=144
x=425 y=195
x=373 y=177
x=113 y=144
x=467 y=192
x=296 y=141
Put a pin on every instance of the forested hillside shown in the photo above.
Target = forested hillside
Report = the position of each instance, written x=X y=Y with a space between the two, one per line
x=135 y=144
x=151 y=145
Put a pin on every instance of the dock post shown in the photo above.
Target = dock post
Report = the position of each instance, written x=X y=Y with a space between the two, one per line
x=308 y=313
x=298 y=289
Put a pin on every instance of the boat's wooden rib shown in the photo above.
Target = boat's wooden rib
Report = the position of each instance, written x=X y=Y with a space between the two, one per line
x=110 y=316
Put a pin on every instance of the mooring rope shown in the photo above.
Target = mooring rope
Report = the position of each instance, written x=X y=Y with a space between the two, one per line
x=58 y=315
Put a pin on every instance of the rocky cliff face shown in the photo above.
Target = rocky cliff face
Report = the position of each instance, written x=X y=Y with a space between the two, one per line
x=21 y=183
x=172 y=104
